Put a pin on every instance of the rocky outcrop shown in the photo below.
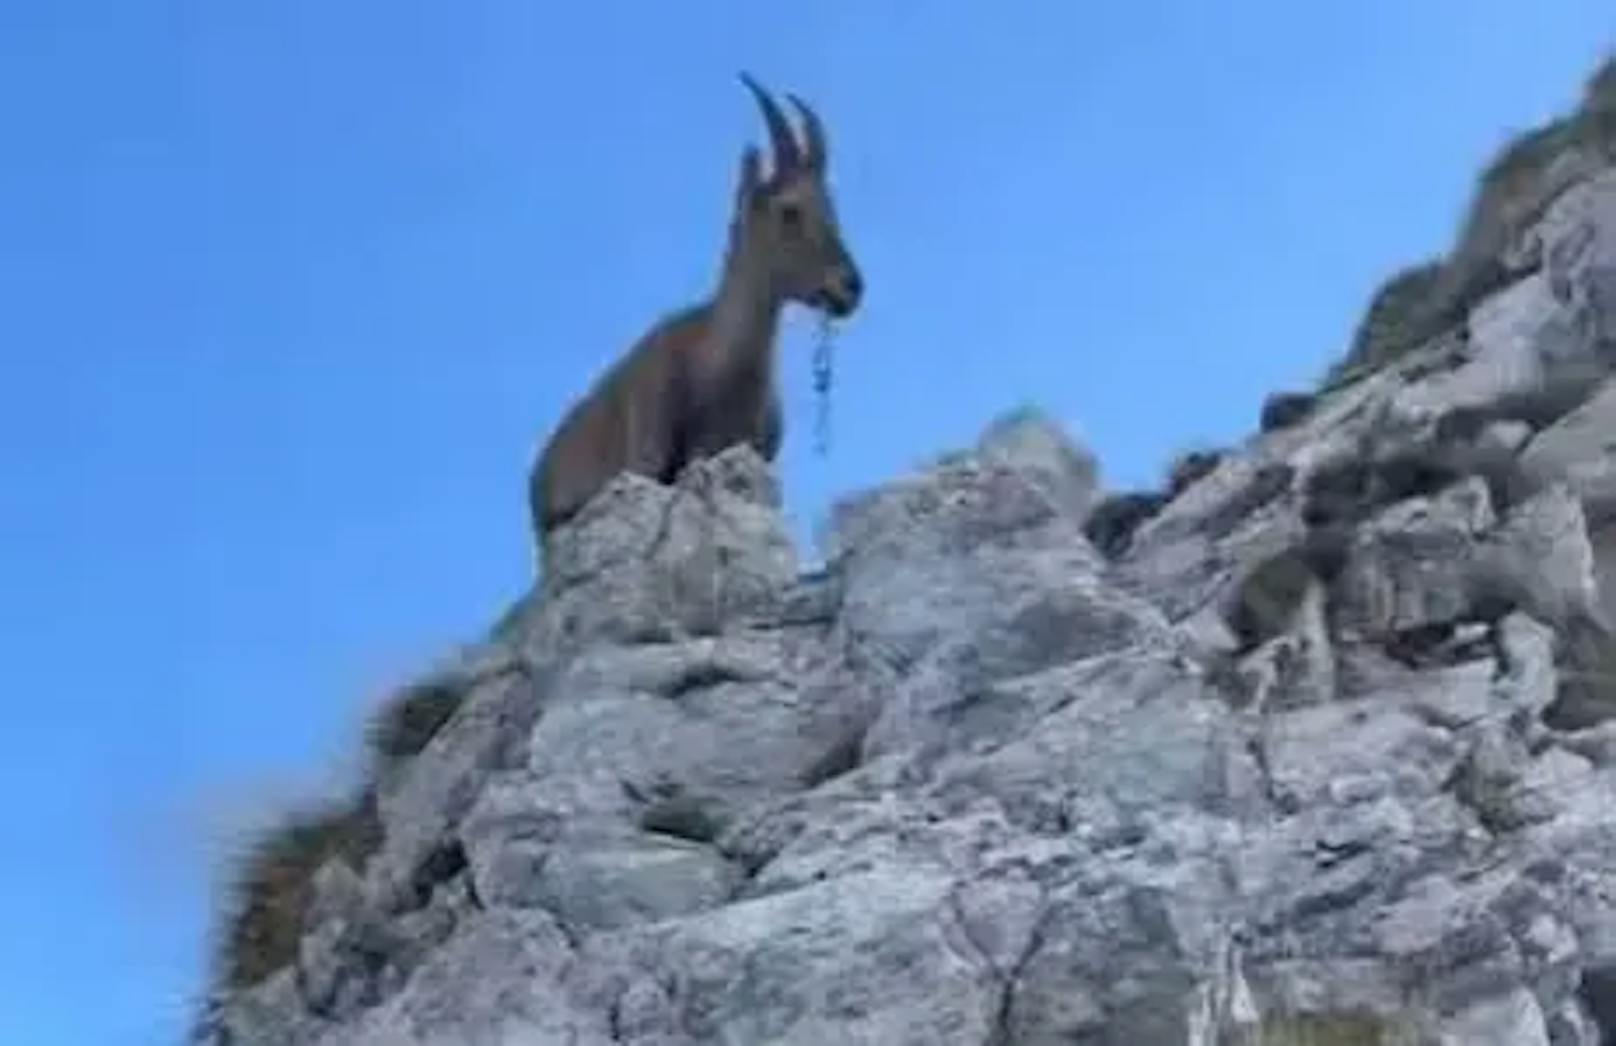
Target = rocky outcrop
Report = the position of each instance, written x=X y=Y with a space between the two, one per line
x=1499 y=241
x=1319 y=749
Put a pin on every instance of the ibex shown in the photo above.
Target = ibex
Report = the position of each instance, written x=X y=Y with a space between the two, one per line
x=702 y=379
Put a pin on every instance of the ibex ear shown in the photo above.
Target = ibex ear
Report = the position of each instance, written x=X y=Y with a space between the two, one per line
x=746 y=192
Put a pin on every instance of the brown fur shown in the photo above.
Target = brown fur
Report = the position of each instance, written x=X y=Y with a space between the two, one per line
x=702 y=379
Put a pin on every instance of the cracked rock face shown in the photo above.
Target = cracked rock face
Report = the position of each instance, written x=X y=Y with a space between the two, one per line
x=981 y=782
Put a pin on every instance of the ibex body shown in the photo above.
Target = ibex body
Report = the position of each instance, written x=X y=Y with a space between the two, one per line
x=702 y=379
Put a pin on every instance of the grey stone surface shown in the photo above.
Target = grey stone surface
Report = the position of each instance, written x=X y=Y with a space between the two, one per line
x=647 y=562
x=974 y=782
x=1411 y=565
x=1580 y=450
x=1032 y=443
x=424 y=803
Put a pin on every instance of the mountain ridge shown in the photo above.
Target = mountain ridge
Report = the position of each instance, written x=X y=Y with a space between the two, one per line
x=1314 y=745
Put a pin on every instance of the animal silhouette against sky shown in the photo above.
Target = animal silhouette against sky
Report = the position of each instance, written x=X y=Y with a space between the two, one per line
x=702 y=379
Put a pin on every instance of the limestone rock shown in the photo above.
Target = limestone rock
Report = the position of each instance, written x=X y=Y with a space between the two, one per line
x=1010 y=767
x=1032 y=443
x=1580 y=450
x=646 y=562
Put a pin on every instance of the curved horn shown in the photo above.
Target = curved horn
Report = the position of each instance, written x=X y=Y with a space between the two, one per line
x=786 y=153
x=813 y=134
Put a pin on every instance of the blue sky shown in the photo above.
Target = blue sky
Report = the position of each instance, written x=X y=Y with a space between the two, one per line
x=291 y=292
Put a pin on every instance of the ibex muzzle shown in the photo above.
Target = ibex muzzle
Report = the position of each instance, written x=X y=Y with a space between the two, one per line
x=702 y=380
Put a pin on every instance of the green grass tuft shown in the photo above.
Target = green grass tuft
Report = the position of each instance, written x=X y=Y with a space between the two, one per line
x=515 y=617
x=406 y=724
x=1523 y=178
x=1523 y=159
x=1190 y=467
x=275 y=885
x=1595 y=128
x=1600 y=91
x=1401 y=316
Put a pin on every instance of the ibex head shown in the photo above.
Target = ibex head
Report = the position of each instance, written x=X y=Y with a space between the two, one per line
x=786 y=223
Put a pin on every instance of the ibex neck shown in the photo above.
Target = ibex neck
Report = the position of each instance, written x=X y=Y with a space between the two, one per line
x=745 y=311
